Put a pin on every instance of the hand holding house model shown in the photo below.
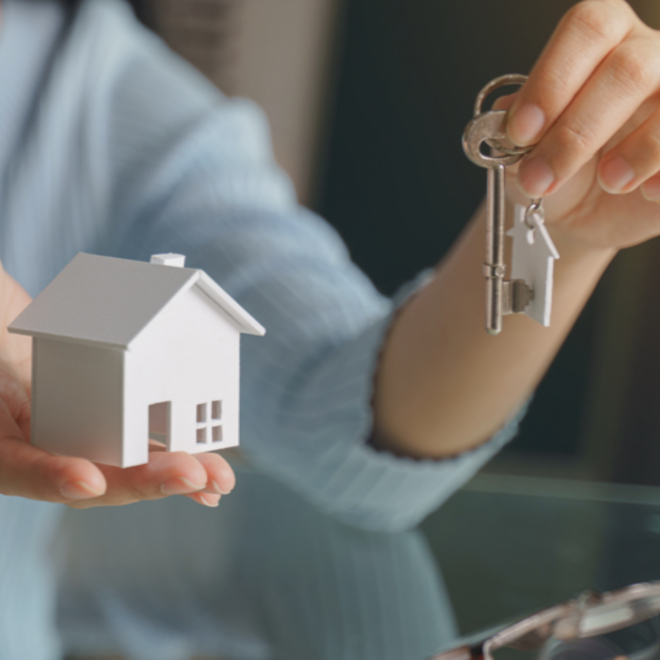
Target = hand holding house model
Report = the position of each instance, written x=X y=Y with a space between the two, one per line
x=124 y=351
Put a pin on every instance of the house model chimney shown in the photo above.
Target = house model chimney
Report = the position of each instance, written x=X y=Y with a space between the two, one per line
x=169 y=259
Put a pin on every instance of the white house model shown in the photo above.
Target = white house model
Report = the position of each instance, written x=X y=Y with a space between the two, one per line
x=125 y=350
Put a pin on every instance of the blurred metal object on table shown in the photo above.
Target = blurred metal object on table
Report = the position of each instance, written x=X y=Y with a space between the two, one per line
x=280 y=54
x=510 y=545
x=503 y=546
x=589 y=615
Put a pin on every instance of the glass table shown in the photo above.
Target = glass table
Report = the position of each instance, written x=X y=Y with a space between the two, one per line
x=268 y=576
x=509 y=545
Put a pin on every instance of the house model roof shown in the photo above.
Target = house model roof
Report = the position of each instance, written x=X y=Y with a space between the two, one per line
x=109 y=301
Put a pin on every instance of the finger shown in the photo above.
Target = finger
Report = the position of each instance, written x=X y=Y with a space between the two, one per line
x=220 y=476
x=27 y=471
x=628 y=76
x=504 y=102
x=221 y=479
x=582 y=40
x=634 y=160
x=651 y=188
x=205 y=499
x=166 y=473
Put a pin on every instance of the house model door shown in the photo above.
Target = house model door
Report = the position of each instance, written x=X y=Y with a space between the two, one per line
x=160 y=423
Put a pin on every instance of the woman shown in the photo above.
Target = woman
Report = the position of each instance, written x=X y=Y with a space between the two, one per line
x=375 y=412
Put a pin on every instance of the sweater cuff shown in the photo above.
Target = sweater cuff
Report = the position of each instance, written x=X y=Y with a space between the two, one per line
x=376 y=489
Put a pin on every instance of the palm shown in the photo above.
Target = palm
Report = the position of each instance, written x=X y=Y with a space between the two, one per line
x=583 y=212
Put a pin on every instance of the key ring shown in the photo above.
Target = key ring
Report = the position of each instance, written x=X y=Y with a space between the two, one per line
x=535 y=207
x=502 y=81
x=496 y=83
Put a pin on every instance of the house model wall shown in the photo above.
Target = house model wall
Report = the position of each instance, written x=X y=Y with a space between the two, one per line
x=125 y=350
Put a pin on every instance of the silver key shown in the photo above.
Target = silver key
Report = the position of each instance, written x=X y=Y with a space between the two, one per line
x=502 y=296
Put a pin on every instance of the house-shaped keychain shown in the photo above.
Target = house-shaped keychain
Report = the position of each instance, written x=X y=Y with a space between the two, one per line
x=127 y=350
x=532 y=260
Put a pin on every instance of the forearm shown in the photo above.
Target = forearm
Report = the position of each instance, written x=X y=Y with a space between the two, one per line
x=444 y=385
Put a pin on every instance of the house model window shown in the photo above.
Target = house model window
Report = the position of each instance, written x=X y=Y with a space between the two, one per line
x=126 y=350
x=209 y=422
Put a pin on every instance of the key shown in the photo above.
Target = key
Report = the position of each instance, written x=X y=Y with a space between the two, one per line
x=502 y=296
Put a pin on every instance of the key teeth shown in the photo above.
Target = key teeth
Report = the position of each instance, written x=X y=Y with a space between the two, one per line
x=516 y=296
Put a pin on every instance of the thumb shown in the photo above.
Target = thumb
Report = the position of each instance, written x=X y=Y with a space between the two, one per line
x=504 y=102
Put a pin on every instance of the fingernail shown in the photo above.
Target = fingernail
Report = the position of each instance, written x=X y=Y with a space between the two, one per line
x=210 y=503
x=217 y=489
x=228 y=477
x=535 y=177
x=180 y=486
x=615 y=174
x=79 y=490
x=526 y=124
x=651 y=189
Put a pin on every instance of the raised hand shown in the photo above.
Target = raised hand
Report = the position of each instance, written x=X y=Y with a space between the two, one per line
x=591 y=107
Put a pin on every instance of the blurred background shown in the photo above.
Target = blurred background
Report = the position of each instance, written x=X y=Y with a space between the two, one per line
x=367 y=101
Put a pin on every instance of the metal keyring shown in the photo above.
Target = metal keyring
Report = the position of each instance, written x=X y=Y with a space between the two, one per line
x=502 y=81
x=535 y=207
x=516 y=151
